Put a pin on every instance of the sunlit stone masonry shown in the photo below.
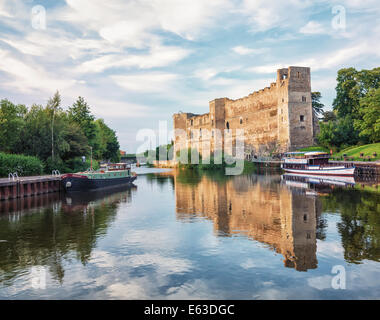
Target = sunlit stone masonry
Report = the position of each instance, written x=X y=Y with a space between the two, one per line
x=277 y=118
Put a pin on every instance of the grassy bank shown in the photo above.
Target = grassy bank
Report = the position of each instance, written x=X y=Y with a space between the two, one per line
x=354 y=153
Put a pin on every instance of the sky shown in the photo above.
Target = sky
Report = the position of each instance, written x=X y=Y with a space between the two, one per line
x=136 y=62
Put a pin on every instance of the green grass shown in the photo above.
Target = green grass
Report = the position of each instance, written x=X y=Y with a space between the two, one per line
x=354 y=152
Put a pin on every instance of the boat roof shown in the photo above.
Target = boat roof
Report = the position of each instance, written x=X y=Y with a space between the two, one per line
x=315 y=153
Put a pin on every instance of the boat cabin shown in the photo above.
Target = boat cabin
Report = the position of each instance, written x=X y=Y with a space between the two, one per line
x=114 y=166
x=307 y=158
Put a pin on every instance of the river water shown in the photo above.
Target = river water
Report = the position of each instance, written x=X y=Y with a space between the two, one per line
x=183 y=235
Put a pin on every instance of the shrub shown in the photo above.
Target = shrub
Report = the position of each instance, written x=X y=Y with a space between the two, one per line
x=23 y=165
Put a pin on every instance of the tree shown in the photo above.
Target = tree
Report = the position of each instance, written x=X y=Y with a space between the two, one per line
x=328 y=115
x=337 y=134
x=11 y=124
x=347 y=92
x=108 y=142
x=368 y=123
x=81 y=114
x=76 y=140
x=316 y=104
x=53 y=106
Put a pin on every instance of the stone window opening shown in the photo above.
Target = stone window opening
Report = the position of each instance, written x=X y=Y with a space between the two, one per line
x=200 y=133
x=241 y=120
x=284 y=76
x=298 y=75
x=305 y=217
x=303 y=99
x=191 y=122
x=228 y=125
x=282 y=99
x=212 y=133
x=302 y=118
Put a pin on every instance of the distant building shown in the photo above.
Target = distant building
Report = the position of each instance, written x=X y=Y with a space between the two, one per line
x=275 y=119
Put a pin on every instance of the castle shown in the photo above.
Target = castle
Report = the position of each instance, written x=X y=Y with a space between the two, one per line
x=278 y=118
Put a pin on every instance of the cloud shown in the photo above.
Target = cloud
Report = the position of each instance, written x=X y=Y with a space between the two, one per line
x=187 y=18
x=145 y=82
x=312 y=27
x=158 y=56
x=248 y=51
x=28 y=77
x=334 y=59
x=265 y=15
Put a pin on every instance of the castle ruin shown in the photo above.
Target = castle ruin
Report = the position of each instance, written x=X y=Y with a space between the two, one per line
x=275 y=119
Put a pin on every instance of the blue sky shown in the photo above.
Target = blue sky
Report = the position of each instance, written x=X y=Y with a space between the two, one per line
x=138 y=62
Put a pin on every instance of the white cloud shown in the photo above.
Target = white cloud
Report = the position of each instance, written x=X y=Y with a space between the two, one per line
x=264 y=15
x=26 y=77
x=247 y=51
x=335 y=59
x=187 y=18
x=312 y=27
x=145 y=82
x=158 y=56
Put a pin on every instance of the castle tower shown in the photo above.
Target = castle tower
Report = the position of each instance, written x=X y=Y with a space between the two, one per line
x=295 y=116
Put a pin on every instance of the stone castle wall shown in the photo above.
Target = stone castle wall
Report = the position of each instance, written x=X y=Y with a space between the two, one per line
x=275 y=119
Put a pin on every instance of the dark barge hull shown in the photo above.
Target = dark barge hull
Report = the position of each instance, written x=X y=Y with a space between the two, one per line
x=73 y=183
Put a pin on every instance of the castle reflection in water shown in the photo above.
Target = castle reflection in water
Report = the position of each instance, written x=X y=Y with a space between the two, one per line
x=263 y=208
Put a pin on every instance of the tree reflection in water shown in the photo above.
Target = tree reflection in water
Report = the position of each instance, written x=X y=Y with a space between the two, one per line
x=45 y=230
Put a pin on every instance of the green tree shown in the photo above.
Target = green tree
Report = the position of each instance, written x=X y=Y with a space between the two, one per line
x=347 y=92
x=369 y=122
x=76 y=140
x=337 y=134
x=53 y=106
x=108 y=142
x=11 y=124
x=81 y=114
x=328 y=115
x=316 y=104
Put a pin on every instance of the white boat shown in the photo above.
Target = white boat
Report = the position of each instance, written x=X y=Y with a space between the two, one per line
x=314 y=163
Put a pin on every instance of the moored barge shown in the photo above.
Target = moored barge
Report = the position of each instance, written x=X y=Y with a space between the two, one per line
x=109 y=175
x=314 y=163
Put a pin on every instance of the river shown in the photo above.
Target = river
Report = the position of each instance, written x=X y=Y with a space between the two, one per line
x=184 y=235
